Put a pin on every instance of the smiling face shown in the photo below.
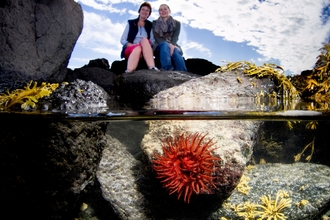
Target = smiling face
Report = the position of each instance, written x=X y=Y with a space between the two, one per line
x=164 y=11
x=144 y=12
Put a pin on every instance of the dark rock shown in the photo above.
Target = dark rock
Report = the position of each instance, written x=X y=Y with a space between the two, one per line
x=200 y=66
x=37 y=37
x=101 y=63
x=12 y=80
x=101 y=76
x=194 y=65
x=47 y=166
x=118 y=67
x=139 y=86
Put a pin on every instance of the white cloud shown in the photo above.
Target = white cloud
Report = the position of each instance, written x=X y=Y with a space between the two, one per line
x=288 y=31
x=101 y=35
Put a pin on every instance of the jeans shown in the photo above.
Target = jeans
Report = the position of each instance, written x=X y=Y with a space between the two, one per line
x=167 y=61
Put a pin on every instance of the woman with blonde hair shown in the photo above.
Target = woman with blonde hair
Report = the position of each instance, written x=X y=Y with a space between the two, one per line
x=166 y=32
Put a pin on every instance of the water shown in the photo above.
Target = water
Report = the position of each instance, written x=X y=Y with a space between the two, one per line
x=286 y=131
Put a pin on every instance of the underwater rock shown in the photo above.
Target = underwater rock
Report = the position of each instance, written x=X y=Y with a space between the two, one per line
x=47 y=166
x=233 y=144
x=130 y=185
x=303 y=187
x=118 y=174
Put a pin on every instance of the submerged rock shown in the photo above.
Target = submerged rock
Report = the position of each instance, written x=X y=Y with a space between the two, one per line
x=306 y=187
x=47 y=166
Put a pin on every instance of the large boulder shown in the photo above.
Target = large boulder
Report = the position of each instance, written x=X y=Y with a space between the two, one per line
x=37 y=37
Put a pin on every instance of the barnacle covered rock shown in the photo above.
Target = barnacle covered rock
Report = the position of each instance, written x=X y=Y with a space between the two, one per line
x=77 y=97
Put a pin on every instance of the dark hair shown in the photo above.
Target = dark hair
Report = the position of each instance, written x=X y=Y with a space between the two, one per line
x=147 y=4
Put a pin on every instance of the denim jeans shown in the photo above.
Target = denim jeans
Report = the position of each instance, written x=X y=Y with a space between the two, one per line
x=167 y=61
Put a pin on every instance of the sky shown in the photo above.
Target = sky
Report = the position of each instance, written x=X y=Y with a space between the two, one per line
x=288 y=33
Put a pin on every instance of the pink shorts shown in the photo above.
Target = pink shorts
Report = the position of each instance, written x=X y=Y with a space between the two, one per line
x=129 y=50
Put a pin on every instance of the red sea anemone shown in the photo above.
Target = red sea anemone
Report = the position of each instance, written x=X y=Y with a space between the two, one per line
x=186 y=166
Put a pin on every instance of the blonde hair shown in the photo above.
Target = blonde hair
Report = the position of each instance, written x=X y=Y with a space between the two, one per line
x=166 y=6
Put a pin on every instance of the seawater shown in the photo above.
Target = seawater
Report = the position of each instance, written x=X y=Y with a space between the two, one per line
x=285 y=133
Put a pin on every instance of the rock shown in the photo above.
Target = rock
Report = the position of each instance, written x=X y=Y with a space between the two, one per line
x=100 y=76
x=217 y=91
x=233 y=144
x=101 y=63
x=200 y=66
x=77 y=97
x=139 y=86
x=300 y=181
x=118 y=174
x=37 y=37
x=118 y=67
x=47 y=165
x=197 y=66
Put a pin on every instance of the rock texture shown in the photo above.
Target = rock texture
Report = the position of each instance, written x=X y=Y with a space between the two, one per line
x=119 y=173
x=141 y=85
x=301 y=181
x=77 y=97
x=229 y=91
x=46 y=166
x=37 y=37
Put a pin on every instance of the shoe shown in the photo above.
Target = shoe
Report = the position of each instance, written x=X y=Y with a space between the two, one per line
x=154 y=68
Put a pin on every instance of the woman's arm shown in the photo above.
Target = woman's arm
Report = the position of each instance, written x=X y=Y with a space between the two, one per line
x=123 y=39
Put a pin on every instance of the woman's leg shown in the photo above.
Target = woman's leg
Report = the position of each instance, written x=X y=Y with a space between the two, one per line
x=178 y=60
x=163 y=53
x=147 y=52
x=133 y=59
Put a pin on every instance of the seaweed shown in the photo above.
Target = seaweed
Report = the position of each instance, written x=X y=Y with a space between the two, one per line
x=27 y=97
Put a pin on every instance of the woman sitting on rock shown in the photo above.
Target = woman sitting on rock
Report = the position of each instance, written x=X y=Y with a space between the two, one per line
x=166 y=32
x=137 y=40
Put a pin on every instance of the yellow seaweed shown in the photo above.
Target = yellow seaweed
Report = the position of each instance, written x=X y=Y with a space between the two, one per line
x=27 y=97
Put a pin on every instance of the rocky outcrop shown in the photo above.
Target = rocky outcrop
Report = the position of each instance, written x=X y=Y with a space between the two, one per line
x=229 y=91
x=141 y=85
x=194 y=65
x=37 y=38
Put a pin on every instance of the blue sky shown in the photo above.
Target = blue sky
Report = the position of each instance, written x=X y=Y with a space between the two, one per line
x=287 y=32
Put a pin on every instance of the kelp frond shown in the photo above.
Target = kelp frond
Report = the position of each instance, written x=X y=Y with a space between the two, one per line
x=27 y=97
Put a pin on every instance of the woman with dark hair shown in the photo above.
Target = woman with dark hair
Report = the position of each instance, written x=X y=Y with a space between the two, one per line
x=166 y=32
x=137 y=40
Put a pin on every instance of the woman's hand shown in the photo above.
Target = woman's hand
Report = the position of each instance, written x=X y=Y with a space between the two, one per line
x=172 y=47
